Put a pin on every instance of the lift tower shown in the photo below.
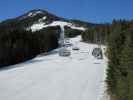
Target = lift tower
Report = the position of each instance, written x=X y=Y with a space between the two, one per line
x=63 y=49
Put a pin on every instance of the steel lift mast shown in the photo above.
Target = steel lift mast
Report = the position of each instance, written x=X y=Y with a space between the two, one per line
x=63 y=50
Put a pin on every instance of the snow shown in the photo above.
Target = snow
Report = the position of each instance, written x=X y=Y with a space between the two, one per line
x=51 y=77
x=78 y=28
x=32 y=14
x=42 y=19
x=37 y=26
x=61 y=23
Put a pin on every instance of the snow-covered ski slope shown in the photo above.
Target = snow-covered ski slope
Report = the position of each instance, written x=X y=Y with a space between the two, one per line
x=51 y=77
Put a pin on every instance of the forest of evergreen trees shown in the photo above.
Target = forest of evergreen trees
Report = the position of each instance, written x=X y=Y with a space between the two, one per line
x=71 y=32
x=96 y=34
x=118 y=37
x=17 y=45
x=120 y=64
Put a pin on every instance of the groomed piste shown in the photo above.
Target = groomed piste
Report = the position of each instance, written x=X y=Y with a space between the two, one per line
x=79 y=76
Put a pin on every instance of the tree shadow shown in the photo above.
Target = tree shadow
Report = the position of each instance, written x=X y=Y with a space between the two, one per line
x=22 y=64
x=28 y=62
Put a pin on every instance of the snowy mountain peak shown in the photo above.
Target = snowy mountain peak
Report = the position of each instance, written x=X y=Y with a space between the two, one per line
x=37 y=14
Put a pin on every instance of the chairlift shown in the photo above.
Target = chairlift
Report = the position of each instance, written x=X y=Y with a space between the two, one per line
x=97 y=52
x=75 y=47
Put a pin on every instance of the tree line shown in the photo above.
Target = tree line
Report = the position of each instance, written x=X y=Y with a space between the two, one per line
x=96 y=34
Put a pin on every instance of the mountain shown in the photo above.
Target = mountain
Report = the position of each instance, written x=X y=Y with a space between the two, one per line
x=39 y=19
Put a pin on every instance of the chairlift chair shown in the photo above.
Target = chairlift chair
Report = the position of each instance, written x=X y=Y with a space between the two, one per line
x=75 y=48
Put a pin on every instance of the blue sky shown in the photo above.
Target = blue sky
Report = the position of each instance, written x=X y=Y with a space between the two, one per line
x=87 y=10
